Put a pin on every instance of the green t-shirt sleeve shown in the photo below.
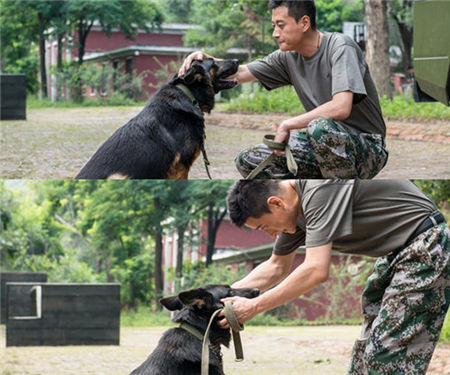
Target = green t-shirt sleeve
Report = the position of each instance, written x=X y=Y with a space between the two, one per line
x=328 y=209
x=347 y=73
x=271 y=70
x=287 y=243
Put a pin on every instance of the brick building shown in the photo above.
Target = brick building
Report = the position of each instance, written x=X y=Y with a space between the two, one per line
x=148 y=53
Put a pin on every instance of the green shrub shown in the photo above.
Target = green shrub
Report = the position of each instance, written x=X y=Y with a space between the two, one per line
x=285 y=100
x=143 y=317
x=445 y=333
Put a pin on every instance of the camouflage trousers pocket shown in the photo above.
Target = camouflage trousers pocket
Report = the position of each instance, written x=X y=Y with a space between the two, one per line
x=372 y=155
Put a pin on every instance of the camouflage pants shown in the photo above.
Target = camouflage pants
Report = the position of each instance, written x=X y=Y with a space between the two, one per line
x=404 y=306
x=325 y=150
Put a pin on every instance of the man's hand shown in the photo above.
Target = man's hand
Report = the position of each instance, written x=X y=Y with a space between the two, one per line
x=198 y=55
x=244 y=309
x=282 y=136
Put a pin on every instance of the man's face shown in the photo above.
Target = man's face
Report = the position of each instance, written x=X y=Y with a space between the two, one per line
x=281 y=219
x=287 y=31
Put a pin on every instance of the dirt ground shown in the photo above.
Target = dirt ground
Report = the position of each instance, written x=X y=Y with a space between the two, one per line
x=56 y=143
x=267 y=350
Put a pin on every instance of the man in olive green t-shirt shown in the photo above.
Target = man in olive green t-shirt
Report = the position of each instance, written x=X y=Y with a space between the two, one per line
x=408 y=294
x=342 y=134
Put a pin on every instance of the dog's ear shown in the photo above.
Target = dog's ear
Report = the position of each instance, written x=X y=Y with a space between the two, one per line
x=197 y=297
x=192 y=74
x=171 y=303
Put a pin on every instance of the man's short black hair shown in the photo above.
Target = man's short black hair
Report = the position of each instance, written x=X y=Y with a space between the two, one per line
x=248 y=198
x=297 y=9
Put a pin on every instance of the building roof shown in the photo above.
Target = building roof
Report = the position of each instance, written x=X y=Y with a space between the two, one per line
x=257 y=252
x=165 y=28
x=136 y=50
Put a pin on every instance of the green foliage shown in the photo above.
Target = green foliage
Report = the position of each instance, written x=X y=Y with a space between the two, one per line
x=176 y=11
x=18 y=49
x=445 y=333
x=282 y=100
x=285 y=100
x=331 y=14
x=227 y=24
x=404 y=107
x=437 y=190
x=135 y=276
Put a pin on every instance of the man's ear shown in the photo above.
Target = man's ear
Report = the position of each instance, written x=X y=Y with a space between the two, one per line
x=171 y=303
x=275 y=201
x=196 y=297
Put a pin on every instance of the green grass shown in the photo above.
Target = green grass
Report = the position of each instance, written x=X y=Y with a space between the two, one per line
x=34 y=102
x=144 y=317
x=285 y=100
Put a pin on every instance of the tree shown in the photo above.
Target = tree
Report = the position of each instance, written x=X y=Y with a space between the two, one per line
x=18 y=32
x=377 y=45
x=401 y=13
x=212 y=197
x=178 y=11
x=228 y=24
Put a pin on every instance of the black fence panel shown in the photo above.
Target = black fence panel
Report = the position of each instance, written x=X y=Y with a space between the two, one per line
x=63 y=314
x=13 y=97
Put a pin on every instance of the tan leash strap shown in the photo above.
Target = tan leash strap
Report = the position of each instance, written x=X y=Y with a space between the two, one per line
x=205 y=346
x=235 y=328
x=206 y=161
x=268 y=140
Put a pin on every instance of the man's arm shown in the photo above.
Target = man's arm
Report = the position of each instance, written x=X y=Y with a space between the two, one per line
x=243 y=74
x=338 y=108
x=312 y=272
x=268 y=273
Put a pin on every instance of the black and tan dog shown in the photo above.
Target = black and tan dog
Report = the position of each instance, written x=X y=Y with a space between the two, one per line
x=166 y=137
x=179 y=352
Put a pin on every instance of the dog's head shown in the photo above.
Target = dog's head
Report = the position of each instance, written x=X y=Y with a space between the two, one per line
x=206 y=78
x=207 y=298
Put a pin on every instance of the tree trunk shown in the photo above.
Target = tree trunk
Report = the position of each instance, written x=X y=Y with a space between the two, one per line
x=406 y=34
x=214 y=221
x=59 y=68
x=159 y=278
x=377 y=45
x=179 y=266
x=44 y=91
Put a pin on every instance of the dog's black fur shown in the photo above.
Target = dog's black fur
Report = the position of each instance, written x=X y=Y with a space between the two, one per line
x=178 y=351
x=166 y=137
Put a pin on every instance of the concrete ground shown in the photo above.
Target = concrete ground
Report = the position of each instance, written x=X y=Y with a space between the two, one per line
x=324 y=350
x=56 y=143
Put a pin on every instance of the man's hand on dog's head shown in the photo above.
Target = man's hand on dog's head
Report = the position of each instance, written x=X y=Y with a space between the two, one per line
x=197 y=55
